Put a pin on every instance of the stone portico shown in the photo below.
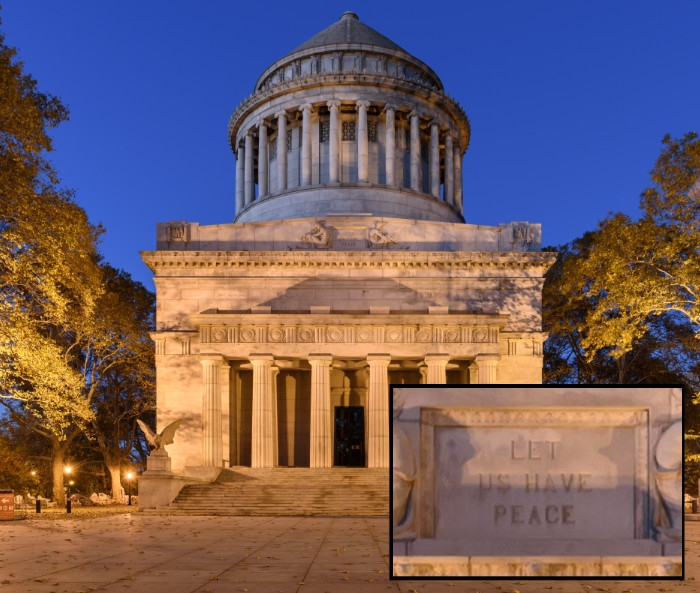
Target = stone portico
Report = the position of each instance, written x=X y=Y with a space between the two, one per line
x=348 y=267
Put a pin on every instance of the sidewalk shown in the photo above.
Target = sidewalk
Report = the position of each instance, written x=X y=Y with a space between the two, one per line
x=157 y=554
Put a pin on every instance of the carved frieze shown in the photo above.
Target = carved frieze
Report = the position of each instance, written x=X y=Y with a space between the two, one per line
x=308 y=334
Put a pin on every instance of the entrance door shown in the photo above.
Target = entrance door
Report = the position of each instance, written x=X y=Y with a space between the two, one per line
x=349 y=436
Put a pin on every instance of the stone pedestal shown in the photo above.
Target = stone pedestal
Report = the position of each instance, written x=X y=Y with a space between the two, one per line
x=158 y=461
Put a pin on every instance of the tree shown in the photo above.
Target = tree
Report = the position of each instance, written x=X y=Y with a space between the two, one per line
x=648 y=268
x=126 y=391
x=621 y=303
x=48 y=273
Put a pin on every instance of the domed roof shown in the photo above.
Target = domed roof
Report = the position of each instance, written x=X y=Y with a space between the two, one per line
x=348 y=29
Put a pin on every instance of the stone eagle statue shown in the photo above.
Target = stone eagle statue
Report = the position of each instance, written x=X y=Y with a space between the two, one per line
x=166 y=437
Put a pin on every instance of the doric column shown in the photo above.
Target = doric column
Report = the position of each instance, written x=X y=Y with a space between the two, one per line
x=249 y=181
x=334 y=139
x=262 y=159
x=378 y=404
x=458 y=178
x=415 y=150
x=281 y=150
x=362 y=142
x=449 y=170
x=321 y=430
x=435 y=160
x=487 y=364
x=390 y=155
x=212 y=447
x=262 y=438
x=240 y=179
x=306 y=144
x=437 y=368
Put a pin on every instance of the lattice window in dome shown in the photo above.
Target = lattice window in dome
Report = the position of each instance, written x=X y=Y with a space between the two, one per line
x=372 y=130
x=349 y=131
x=406 y=140
x=289 y=141
x=324 y=130
x=273 y=151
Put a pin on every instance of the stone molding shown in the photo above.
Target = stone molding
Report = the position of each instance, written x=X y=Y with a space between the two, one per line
x=438 y=260
x=435 y=418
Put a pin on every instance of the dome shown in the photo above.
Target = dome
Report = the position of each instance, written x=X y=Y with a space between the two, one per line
x=349 y=30
x=349 y=122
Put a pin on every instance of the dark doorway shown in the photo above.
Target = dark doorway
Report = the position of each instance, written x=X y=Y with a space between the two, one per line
x=349 y=436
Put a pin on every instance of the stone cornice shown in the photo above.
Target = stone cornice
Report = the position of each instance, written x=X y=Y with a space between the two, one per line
x=340 y=79
x=305 y=260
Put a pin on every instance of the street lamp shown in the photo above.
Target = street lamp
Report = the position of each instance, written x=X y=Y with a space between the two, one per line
x=68 y=470
x=128 y=477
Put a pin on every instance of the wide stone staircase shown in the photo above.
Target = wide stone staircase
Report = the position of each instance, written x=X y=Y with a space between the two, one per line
x=287 y=491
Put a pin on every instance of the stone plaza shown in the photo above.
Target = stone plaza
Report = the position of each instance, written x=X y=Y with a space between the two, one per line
x=247 y=554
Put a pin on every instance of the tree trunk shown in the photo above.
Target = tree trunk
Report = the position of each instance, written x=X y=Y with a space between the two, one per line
x=58 y=453
x=115 y=473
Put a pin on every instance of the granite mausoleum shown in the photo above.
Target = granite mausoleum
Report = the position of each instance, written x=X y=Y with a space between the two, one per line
x=352 y=264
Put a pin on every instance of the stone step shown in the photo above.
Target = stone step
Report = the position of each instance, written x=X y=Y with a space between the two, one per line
x=287 y=491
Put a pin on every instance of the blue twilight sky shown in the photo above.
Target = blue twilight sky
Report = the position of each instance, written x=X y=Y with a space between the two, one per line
x=568 y=100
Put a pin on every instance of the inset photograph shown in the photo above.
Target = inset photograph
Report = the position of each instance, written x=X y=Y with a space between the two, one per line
x=542 y=482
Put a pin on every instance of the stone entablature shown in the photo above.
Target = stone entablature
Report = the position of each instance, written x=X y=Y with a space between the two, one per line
x=350 y=58
x=353 y=234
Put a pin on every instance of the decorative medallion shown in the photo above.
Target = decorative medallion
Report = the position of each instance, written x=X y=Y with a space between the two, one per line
x=218 y=335
x=275 y=335
x=480 y=335
x=451 y=335
x=306 y=335
x=424 y=335
x=334 y=335
x=364 y=335
x=247 y=335
x=393 y=335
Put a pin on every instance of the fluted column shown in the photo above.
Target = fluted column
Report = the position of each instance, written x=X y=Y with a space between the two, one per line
x=274 y=371
x=488 y=364
x=362 y=142
x=240 y=179
x=281 y=150
x=249 y=181
x=390 y=156
x=415 y=151
x=449 y=170
x=212 y=446
x=435 y=160
x=262 y=159
x=321 y=430
x=334 y=139
x=306 y=144
x=378 y=404
x=437 y=368
x=262 y=437
x=458 y=178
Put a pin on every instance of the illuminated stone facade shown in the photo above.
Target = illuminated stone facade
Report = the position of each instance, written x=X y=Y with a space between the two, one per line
x=349 y=267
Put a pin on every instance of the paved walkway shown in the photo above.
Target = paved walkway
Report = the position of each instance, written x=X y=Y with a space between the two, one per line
x=152 y=554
